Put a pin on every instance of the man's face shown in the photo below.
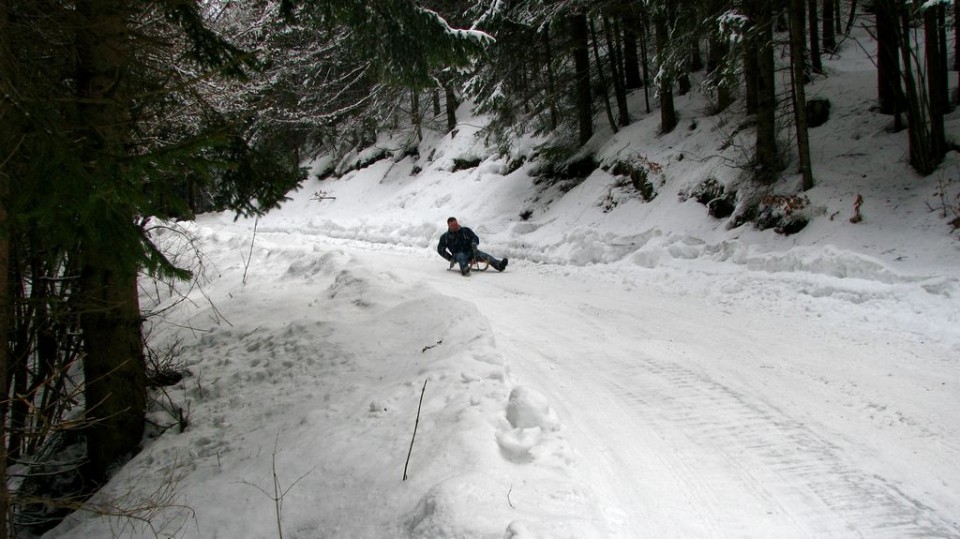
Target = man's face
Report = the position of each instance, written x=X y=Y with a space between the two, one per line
x=453 y=225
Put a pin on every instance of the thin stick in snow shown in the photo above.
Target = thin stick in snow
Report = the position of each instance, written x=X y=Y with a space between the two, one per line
x=246 y=262
x=415 y=425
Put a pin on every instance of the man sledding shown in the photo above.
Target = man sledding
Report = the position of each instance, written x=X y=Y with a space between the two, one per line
x=458 y=245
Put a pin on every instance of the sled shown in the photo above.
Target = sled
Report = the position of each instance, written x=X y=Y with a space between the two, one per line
x=476 y=264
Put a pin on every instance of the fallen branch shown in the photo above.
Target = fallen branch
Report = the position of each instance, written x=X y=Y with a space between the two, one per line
x=415 y=425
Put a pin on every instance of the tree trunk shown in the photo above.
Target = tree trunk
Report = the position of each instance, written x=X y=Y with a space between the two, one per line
x=551 y=80
x=450 y=98
x=750 y=74
x=889 y=88
x=956 y=35
x=415 y=113
x=717 y=50
x=767 y=165
x=829 y=27
x=646 y=65
x=8 y=145
x=944 y=58
x=581 y=61
x=631 y=59
x=851 y=17
x=918 y=134
x=816 y=63
x=668 y=114
x=936 y=80
x=797 y=36
x=616 y=69
x=114 y=371
x=602 y=82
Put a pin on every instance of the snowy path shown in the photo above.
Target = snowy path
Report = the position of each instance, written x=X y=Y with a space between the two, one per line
x=698 y=419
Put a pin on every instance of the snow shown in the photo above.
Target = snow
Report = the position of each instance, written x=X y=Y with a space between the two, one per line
x=644 y=371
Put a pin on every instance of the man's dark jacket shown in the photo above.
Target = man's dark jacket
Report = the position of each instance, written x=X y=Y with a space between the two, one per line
x=461 y=241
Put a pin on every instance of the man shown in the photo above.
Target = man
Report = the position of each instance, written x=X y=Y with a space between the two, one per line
x=459 y=244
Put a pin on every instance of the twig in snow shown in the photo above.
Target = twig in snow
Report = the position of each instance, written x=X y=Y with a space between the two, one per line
x=415 y=425
x=246 y=262
x=425 y=348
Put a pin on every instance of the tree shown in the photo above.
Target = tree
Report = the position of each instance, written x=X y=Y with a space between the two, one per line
x=816 y=63
x=889 y=88
x=829 y=26
x=8 y=147
x=766 y=158
x=796 y=10
x=91 y=135
x=581 y=58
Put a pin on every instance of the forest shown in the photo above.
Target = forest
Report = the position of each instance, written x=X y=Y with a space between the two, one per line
x=117 y=117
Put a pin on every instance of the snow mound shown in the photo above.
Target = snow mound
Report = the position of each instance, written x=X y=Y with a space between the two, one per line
x=530 y=431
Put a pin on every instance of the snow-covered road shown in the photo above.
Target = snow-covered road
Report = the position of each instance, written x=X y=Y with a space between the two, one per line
x=697 y=419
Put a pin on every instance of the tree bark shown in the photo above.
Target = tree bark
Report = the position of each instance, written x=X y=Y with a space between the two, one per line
x=816 y=63
x=851 y=17
x=581 y=61
x=644 y=60
x=668 y=114
x=602 y=82
x=717 y=50
x=547 y=48
x=799 y=95
x=450 y=98
x=8 y=147
x=114 y=370
x=616 y=69
x=829 y=27
x=918 y=134
x=415 y=113
x=750 y=74
x=767 y=165
x=956 y=35
x=631 y=59
x=889 y=88
x=936 y=80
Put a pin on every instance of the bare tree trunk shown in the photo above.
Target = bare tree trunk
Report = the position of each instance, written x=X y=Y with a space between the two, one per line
x=114 y=370
x=581 y=61
x=646 y=65
x=956 y=34
x=631 y=59
x=750 y=75
x=450 y=98
x=889 y=88
x=601 y=79
x=6 y=312
x=852 y=16
x=717 y=50
x=668 y=114
x=616 y=69
x=829 y=25
x=797 y=36
x=917 y=132
x=415 y=113
x=767 y=165
x=816 y=63
x=7 y=146
x=551 y=80
x=936 y=80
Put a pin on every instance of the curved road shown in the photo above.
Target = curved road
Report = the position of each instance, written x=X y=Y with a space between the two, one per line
x=704 y=420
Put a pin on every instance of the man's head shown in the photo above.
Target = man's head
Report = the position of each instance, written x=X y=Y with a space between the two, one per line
x=452 y=224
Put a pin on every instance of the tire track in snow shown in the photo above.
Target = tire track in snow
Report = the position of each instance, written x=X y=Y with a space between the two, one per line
x=812 y=482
